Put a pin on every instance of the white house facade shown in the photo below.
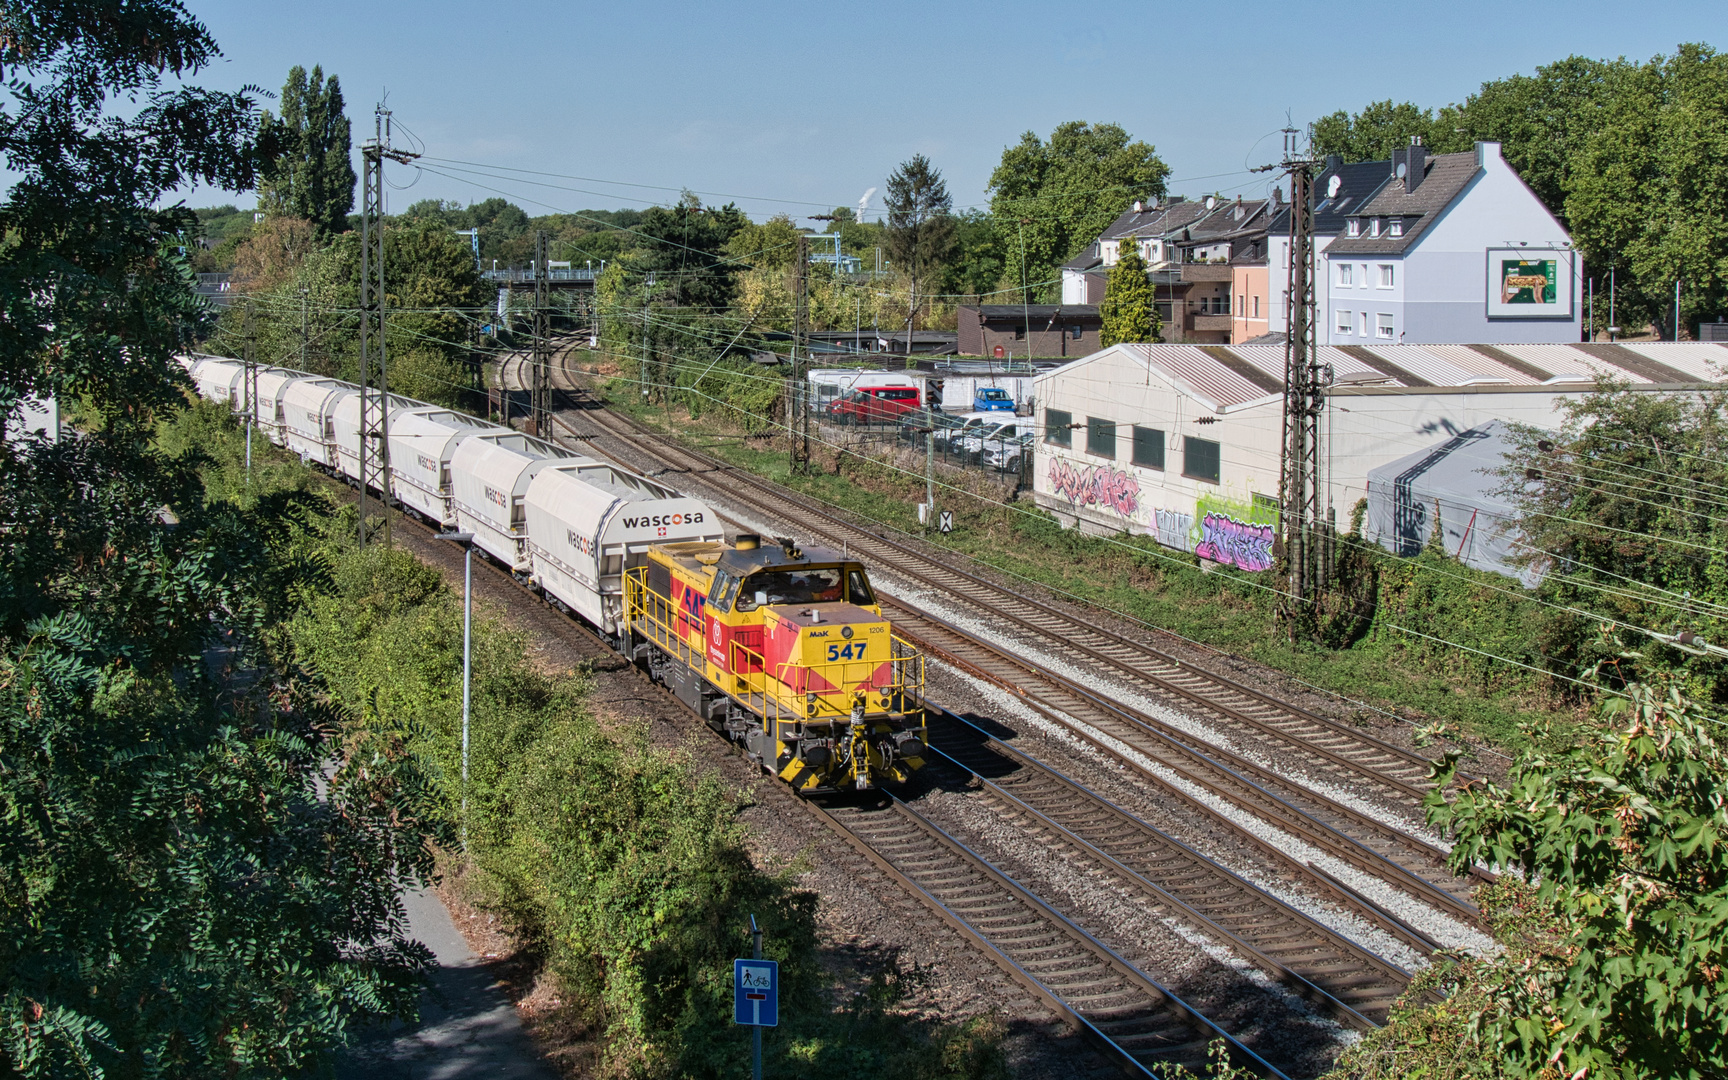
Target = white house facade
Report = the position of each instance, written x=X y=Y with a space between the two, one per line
x=1454 y=248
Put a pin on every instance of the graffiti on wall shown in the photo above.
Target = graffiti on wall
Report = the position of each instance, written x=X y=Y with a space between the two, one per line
x=1103 y=486
x=1173 y=529
x=1235 y=534
x=1241 y=544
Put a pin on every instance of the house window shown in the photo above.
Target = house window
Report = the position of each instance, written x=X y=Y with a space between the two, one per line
x=1345 y=275
x=1256 y=307
x=1148 y=447
x=1200 y=459
x=1058 y=427
x=1354 y=228
x=1361 y=324
x=1374 y=227
x=1019 y=332
x=1383 y=326
x=1101 y=437
x=1240 y=310
x=1344 y=323
x=1385 y=275
x=1074 y=331
x=1265 y=504
x=1397 y=226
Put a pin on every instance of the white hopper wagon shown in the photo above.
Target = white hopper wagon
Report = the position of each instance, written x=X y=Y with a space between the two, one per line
x=345 y=423
x=422 y=443
x=489 y=475
x=308 y=418
x=218 y=379
x=272 y=381
x=588 y=522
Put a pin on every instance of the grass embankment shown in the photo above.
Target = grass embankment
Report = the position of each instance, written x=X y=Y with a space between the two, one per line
x=1381 y=663
x=624 y=865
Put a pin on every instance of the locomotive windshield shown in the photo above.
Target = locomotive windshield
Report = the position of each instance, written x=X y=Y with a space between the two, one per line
x=803 y=585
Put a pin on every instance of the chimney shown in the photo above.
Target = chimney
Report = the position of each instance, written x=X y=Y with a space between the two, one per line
x=1416 y=159
x=1277 y=196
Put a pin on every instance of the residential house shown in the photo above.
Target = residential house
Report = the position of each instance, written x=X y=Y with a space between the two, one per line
x=1338 y=191
x=1019 y=331
x=1451 y=248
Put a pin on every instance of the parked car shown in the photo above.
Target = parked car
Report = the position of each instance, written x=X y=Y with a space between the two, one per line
x=974 y=441
x=874 y=405
x=1007 y=454
x=992 y=399
x=952 y=427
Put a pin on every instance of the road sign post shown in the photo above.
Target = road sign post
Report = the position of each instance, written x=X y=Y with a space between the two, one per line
x=756 y=995
x=945 y=522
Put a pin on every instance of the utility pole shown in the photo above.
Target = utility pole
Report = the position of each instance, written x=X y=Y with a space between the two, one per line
x=374 y=386
x=1299 y=476
x=540 y=387
x=642 y=372
x=304 y=326
x=798 y=411
x=251 y=377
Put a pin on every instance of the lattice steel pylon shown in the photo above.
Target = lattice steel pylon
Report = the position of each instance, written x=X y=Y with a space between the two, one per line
x=798 y=393
x=374 y=449
x=1304 y=400
x=540 y=378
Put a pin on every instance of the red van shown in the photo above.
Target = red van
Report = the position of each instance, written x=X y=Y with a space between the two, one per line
x=874 y=405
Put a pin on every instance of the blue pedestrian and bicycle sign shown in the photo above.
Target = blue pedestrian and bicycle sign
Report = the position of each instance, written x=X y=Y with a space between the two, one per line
x=756 y=993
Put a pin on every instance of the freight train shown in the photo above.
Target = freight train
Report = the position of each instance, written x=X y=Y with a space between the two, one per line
x=782 y=649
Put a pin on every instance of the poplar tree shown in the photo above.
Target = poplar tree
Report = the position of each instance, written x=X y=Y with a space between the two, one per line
x=920 y=226
x=1129 y=310
x=311 y=175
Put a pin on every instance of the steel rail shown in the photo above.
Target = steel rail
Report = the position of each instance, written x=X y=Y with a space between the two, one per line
x=1351 y=981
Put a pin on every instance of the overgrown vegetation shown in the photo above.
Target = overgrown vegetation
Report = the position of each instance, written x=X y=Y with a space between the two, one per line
x=1615 y=950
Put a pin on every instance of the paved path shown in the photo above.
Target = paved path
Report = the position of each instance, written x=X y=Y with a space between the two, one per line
x=468 y=1028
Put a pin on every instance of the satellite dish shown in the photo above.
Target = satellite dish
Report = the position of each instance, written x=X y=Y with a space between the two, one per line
x=1401 y=169
x=1333 y=185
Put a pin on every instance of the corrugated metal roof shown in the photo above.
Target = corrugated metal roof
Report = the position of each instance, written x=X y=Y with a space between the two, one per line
x=1701 y=360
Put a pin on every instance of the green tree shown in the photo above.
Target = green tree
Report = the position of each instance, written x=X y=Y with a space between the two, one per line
x=310 y=175
x=1376 y=131
x=684 y=247
x=920 y=227
x=980 y=257
x=182 y=892
x=1129 y=311
x=1623 y=971
x=1050 y=199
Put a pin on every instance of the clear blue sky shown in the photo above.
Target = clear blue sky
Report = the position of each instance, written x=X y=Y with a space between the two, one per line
x=801 y=106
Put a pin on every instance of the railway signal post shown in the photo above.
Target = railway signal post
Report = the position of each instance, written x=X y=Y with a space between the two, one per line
x=466 y=539
x=374 y=449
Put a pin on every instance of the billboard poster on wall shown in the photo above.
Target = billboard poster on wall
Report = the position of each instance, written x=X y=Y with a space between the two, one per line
x=1529 y=284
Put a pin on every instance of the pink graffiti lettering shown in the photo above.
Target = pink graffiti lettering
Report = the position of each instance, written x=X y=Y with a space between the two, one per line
x=1098 y=485
x=1235 y=543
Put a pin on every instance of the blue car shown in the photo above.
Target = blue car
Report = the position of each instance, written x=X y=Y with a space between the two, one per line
x=992 y=399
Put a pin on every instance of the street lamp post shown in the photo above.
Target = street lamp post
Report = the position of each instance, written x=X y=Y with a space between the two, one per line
x=466 y=539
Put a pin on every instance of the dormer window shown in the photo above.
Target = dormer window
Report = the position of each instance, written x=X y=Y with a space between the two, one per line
x=1373 y=226
x=1354 y=228
x=1397 y=226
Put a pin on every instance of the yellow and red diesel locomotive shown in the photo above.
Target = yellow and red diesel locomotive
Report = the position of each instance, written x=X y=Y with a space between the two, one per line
x=786 y=651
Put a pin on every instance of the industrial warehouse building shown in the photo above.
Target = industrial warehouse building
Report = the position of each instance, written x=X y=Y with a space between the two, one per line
x=1181 y=442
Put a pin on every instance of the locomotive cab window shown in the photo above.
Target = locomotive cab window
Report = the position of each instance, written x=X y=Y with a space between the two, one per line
x=806 y=585
x=725 y=588
x=858 y=588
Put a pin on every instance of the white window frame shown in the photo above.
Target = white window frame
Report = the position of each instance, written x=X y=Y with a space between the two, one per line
x=1384 y=326
x=1345 y=272
x=1396 y=227
x=1362 y=324
x=1387 y=275
x=1353 y=227
x=1343 y=323
x=1374 y=227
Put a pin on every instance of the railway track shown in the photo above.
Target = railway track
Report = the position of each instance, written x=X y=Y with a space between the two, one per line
x=1331 y=755
x=1128 y=1016
x=1108 y=844
x=1133 y=1019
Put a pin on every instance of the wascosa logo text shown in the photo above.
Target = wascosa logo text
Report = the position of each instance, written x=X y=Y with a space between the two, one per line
x=429 y=464
x=581 y=543
x=493 y=495
x=662 y=520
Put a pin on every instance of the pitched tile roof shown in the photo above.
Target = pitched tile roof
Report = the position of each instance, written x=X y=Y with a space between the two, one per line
x=1445 y=177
